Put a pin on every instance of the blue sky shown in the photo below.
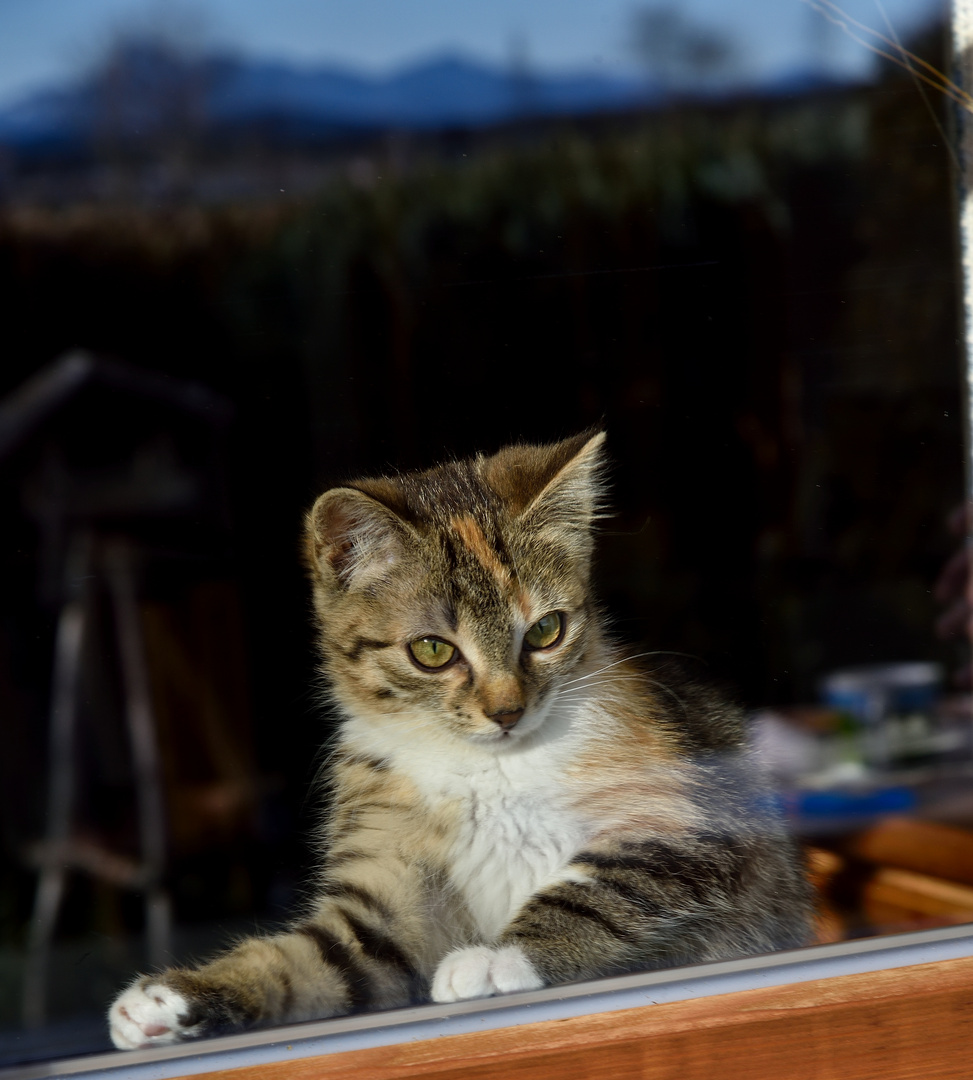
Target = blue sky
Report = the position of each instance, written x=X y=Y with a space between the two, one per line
x=52 y=41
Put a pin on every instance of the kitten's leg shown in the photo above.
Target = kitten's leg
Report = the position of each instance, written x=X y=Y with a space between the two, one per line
x=356 y=952
x=640 y=905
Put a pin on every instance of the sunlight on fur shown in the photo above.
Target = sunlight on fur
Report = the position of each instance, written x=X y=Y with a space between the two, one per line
x=515 y=801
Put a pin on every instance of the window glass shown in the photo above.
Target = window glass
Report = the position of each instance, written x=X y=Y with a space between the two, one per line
x=250 y=251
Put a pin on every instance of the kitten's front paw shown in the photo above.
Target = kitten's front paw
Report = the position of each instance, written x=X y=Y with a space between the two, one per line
x=148 y=1013
x=482 y=972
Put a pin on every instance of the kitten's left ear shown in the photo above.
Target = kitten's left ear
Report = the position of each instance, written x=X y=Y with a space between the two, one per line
x=576 y=491
x=559 y=487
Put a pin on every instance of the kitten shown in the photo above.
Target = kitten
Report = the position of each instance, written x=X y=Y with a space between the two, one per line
x=514 y=804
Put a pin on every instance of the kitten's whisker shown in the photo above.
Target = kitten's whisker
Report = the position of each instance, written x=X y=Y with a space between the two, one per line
x=611 y=680
x=671 y=693
x=607 y=667
x=625 y=659
x=578 y=691
x=603 y=678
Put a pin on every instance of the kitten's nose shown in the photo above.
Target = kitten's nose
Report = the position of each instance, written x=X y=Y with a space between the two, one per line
x=507 y=719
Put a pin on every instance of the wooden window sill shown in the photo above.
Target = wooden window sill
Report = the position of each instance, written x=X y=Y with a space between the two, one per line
x=875 y=1013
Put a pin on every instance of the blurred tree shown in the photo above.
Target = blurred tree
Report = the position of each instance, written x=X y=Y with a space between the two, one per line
x=678 y=53
x=148 y=91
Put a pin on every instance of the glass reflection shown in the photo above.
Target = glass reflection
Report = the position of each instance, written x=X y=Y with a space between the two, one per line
x=301 y=246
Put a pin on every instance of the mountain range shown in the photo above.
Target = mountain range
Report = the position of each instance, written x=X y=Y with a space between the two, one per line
x=145 y=89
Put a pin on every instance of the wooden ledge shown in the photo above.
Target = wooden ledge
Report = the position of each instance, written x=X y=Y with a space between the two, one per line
x=913 y=1022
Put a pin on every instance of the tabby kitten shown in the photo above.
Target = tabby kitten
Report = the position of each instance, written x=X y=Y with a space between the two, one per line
x=514 y=803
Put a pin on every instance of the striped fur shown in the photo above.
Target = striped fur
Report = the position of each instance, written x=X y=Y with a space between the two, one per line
x=518 y=817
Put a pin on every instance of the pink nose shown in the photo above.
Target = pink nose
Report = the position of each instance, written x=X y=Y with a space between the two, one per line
x=507 y=720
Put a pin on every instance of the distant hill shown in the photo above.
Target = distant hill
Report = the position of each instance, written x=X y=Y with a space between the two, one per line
x=441 y=92
x=144 y=89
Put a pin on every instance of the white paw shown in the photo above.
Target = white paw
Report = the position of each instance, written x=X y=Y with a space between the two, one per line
x=482 y=972
x=148 y=1014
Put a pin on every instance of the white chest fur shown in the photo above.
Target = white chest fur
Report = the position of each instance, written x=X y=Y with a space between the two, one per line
x=515 y=829
x=515 y=826
x=516 y=836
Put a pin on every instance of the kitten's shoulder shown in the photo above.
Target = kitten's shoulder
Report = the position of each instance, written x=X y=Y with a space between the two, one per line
x=694 y=707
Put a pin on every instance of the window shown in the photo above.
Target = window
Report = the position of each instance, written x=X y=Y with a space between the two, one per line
x=248 y=257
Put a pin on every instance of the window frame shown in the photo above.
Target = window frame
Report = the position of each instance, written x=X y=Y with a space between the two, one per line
x=900 y=991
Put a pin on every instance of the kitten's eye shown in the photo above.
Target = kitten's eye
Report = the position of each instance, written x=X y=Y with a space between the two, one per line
x=432 y=652
x=545 y=632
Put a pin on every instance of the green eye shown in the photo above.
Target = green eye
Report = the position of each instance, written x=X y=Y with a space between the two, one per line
x=545 y=632
x=432 y=652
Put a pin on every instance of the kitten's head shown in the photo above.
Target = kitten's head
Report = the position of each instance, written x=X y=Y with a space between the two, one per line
x=457 y=600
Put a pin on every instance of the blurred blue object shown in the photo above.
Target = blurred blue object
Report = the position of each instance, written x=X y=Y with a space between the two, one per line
x=848 y=804
x=872 y=693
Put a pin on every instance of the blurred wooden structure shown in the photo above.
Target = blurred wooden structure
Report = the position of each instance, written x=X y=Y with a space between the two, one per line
x=898 y=875
x=63 y=851
x=122 y=472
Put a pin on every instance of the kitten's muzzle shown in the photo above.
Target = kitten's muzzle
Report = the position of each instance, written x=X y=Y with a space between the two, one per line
x=508 y=719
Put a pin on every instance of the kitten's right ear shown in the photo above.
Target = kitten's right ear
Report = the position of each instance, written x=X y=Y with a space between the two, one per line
x=352 y=538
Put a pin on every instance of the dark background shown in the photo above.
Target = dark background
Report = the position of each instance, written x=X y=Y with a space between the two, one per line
x=757 y=299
